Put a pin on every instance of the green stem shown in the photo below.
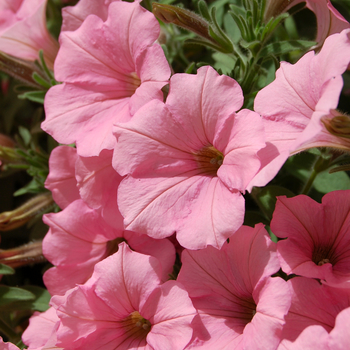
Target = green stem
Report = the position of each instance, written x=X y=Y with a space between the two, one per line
x=320 y=164
x=309 y=182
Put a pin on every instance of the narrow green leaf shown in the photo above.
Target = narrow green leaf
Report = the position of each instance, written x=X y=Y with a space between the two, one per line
x=203 y=10
x=42 y=298
x=40 y=80
x=35 y=96
x=25 y=134
x=11 y=294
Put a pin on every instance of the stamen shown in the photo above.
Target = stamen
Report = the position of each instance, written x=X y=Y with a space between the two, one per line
x=209 y=160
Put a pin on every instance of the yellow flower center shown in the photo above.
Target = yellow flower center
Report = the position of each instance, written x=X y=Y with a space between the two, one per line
x=209 y=160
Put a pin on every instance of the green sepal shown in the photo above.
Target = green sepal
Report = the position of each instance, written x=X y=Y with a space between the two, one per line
x=35 y=96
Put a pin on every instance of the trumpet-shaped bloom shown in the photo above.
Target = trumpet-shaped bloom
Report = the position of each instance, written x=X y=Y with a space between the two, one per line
x=17 y=19
x=294 y=103
x=79 y=238
x=239 y=304
x=108 y=69
x=188 y=161
x=124 y=306
x=317 y=243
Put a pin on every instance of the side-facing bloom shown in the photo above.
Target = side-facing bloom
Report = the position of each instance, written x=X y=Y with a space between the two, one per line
x=317 y=243
x=188 y=161
x=108 y=69
x=23 y=31
x=240 y=306
x=124 y=306
x=294 y=103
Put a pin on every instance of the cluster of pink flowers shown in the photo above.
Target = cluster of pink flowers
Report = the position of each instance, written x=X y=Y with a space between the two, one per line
x=151 y=179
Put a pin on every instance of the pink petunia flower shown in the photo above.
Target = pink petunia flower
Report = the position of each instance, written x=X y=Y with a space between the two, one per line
x=17 y=19
x=239 y=304
x=294 y=103
x=79 y=238
x=188 y=161
x=124 y=306
x=114 y=67
x=317 y=243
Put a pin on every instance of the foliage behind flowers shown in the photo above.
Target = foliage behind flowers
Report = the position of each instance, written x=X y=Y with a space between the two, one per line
x=175 y=175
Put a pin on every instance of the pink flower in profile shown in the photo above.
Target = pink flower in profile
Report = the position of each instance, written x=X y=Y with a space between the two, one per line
x=41 y=332
x=313 y=304
x=316 y=337
x=239 y=304
x=23 y=31
x=188 y=161
x=79 y=238
x=124 y=306
x=317 y=243
x=329 y=20
x=294 y=103
x=108 y=69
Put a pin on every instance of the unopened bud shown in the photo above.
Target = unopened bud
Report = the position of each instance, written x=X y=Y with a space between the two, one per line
x=24 y=255
x=19 y=69
x=182 y=18
x=38 y=205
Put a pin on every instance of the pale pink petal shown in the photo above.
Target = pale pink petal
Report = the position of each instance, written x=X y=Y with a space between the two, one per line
x=170 y=311
x=162 y=249
x=7 y=346
x=339 y=337
x=73 y=16
x=98 y=184
x=313 y=304
x=41 y=332
x=61 y=179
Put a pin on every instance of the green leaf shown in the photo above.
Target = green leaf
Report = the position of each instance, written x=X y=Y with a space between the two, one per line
x=203 y=10
x=6 y=270
x=282 y=47
x=35 y=96
x=12 y=294
x=41 y=81
x=25 y=134
x=42 y=298
x=326 y=182
x=224 y=62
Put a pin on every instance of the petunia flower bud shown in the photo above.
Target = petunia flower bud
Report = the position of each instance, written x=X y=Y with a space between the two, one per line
x=24 y=255
x=182 y=18
x=10 y=220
